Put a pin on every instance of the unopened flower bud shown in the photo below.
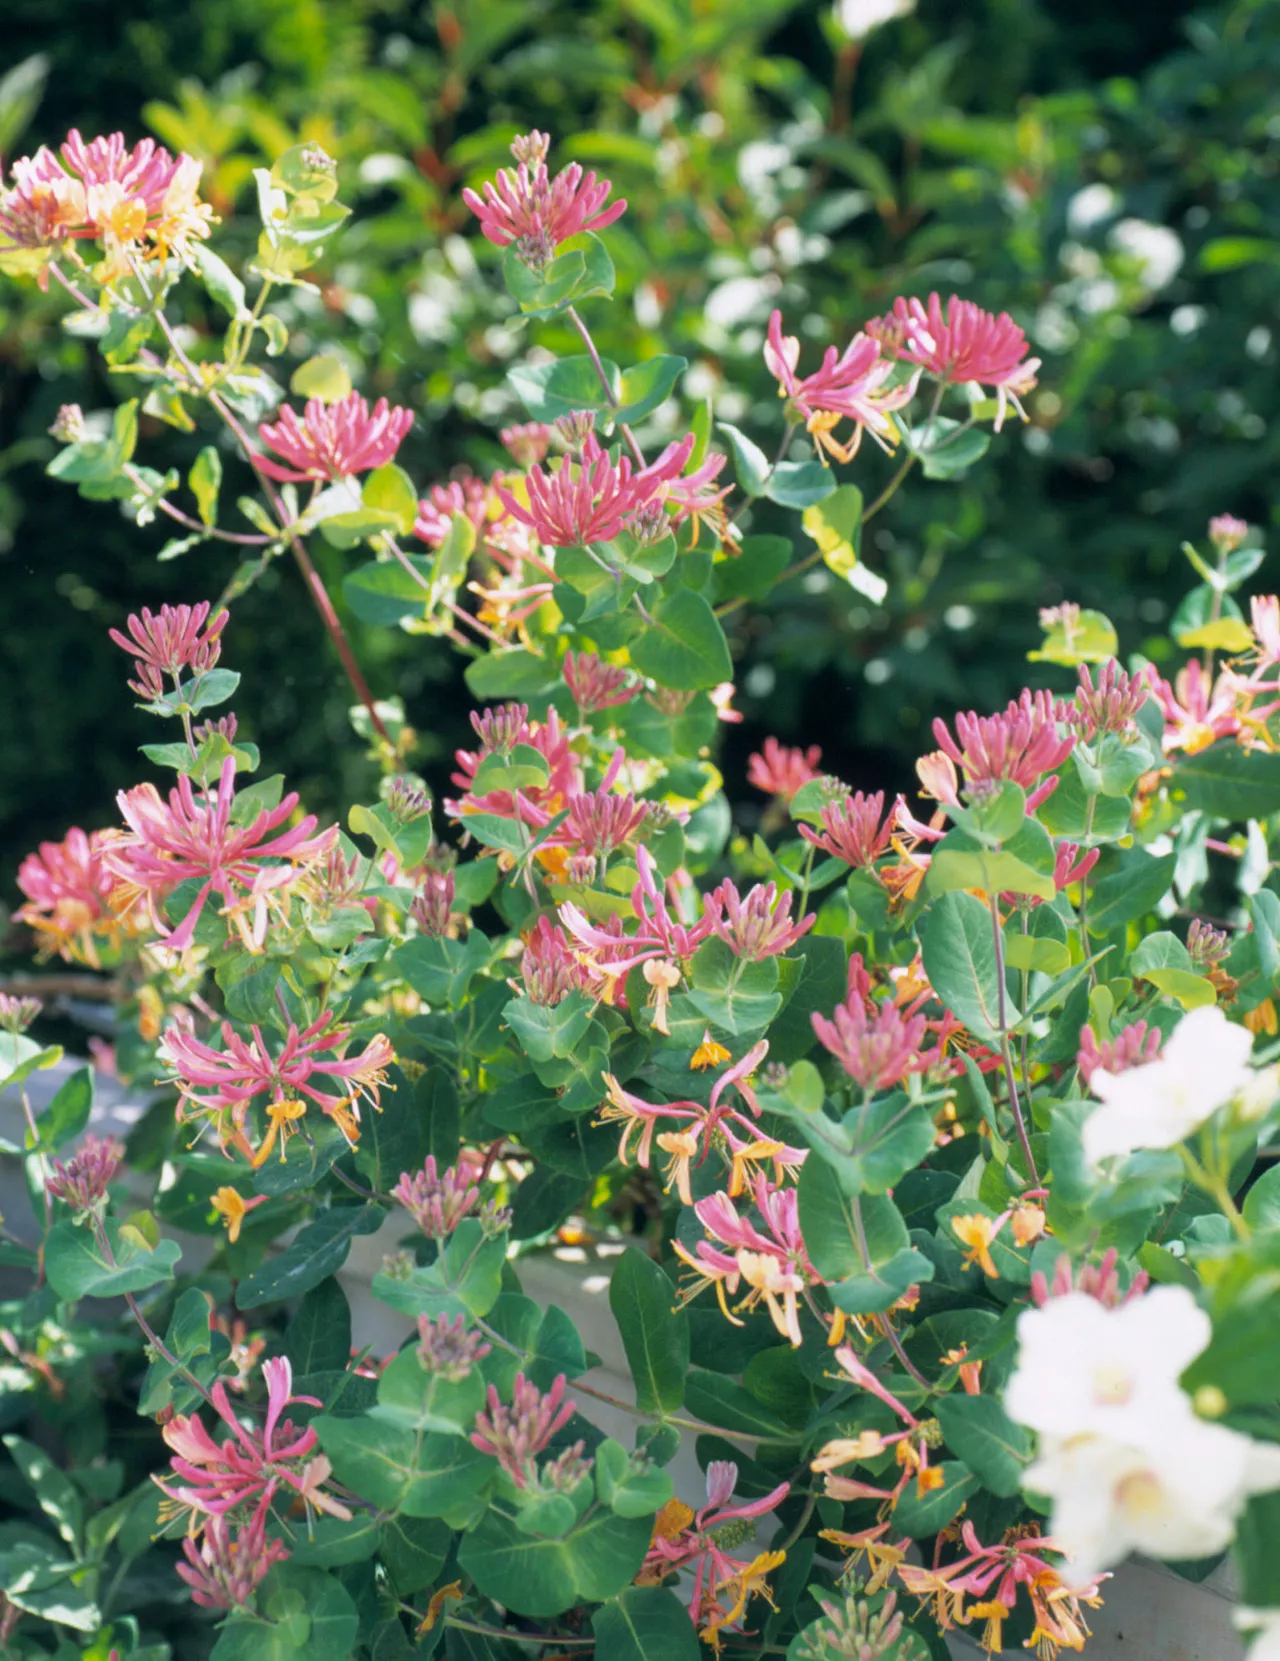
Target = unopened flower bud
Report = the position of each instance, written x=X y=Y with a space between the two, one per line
x=17 y=1014
x=1210 y=1402
x=406 y=800
x=82 y=1182
x=432 y=907
x=531 y=149
x=574 y=429
x=398 y=1265
x=69 y=425
x=1227 y=532
x=447 y=1349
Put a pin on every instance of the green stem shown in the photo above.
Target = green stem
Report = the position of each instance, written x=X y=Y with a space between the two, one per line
x=1006 y=1051
x=611 y=396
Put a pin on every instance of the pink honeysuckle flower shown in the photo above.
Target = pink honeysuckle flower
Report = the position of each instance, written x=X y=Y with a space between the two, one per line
x=223 y=1083
x=167 y=644
x=333 y=441
x=527 y=441
x=658 y=934
x=1110 y=704
x=438 y=1202
x=850 y=386
x=738 y=1077
x=1022 y=743
x=759 y=925
x=1264 y=610
x=874 y=1042
x=500 y=730
x=854 y=829
x=594 y=499
x=601 y=821
x=695 y=495
x=467 y=495
x=1133 y=1047
x=447 y=1348
x=82 y=1181
x=967 y=344
x=1196 y=712
x=634 y=1114
x=71 y=895
x=105 y=191
x=190 y=837
x=16 y=1013
x=773 y=1265
x=527 y=207
x=701 y=1545
x=249 y=1467
x=722 y=701
x=779 y=770
x=226 y=1567
x=516 y=1434
x=595 y=684
x=1095 y=1280
x=1071 y=865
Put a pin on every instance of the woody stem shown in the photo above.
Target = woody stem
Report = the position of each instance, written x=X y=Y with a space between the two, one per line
x=1006 y=1051
x=610 y=395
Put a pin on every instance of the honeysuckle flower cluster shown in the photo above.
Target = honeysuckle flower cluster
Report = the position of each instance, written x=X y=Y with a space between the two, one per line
x=515 y=1433
x=239 y=1478
x=592 y=497
x=73 y=902
x=135 y=202
x=178 y=638
x=334 y=441
x=702 y=1543
x=82 y=1181
x=526 y=207
x=193 y=836
x=219 y=1086
x=962 y=344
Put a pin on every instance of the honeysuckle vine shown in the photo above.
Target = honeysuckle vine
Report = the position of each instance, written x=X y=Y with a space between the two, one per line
x=927 y=1140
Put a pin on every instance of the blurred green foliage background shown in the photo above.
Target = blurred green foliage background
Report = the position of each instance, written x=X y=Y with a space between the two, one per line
x=1107 y=174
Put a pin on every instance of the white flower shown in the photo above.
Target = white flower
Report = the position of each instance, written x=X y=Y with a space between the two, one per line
x=1204 y=1064
x=1085 y=1369
x=1111 y=1498
x=1263 y=1629
x=859 y=17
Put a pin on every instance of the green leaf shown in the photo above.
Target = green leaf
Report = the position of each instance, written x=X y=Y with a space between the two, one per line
x=752 y=572
x=654 y=1335
x=858 y=1243
x=874 y=1146
x=960 y=961
x=946 y=450
x=324 y=377
x=383 y=591
x=68 y=1113
x=951 y=869
x=549 y=1031
x=548 y=390
x=319 y=1251
x=517 y=674
x=749 y=460
x=1262 y=1202
x=725 y=1405
x=220 y=281
x=1133 y=886
x=57 y=1496
x=1228 y=783
x=410 y=1395
x=628 y=1488
x=401 y=1470
x=800 y=484
x=413 y=1551
x=981 y=1433
x=835 y=524
x=736 y=995
x=542 y=1577
x=389 y=489
x=644 y=1623
x=77 y=1268
x=205 y=481
x=348 y=530
x=920 y=1515
x=648 y=385
x=318 y=1338
x=685 y=649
